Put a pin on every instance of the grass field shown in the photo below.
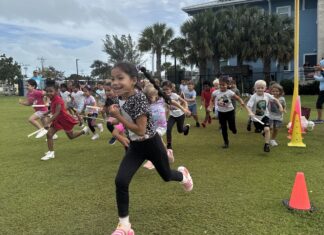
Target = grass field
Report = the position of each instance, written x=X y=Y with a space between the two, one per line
x=236 y=190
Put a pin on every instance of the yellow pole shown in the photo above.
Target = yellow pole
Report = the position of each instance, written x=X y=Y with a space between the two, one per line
x=296 y=60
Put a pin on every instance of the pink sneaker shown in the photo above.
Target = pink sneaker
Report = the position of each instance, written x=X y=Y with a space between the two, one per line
x=149 y=165
x=121 y=231
x=187 y=180
x=170 y=155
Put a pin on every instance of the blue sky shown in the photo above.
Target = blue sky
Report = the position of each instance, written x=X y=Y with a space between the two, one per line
x=63 y=30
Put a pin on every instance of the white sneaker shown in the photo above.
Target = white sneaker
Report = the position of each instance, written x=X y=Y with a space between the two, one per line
x=49 y=155
x=55 y=137
x=85 y=130
x=273 y=143
x=100 y=126
x=41 y=133
x=95 y=137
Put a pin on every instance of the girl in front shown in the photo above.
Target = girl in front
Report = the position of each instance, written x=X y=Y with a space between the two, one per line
x=144 y=143
x=60 y=119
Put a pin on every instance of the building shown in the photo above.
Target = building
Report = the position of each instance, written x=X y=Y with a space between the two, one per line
x=311 y=48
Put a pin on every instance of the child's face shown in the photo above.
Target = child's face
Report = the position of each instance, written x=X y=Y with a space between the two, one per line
x=75 y=89
x=191 y=87
x=167 y=90
x=63 y=89
x=152 y=96
x=259 y=89
x=206 y=87
x=100 y=87
x=216 y=85
x=86 y=92
x=109 y=92
x=275 y=92
x=183 y=82
x=223 y=86
x=50 y=92
x=30 y=87
x=122 y=83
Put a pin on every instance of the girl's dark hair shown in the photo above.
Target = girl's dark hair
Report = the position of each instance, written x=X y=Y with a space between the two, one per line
x=160 y=92
x=207 y=83
x=76 y=85
x=32 y=82
x=127 y=68
x=87 y=87
x=167 y=84
x=51 y=84
x=224 y=78
x=63 y=85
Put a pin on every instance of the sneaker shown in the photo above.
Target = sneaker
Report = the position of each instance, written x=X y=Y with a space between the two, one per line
x=41 y=133
x=55 y=137
x=273 y=143
x=112 y=140
x=120 y=230
x=187 y=180
x=186 y=131
x=203 y=124
x=95 y=137
x=170 y=155
x=100 y=126
x=225 y=146
x=266 y=147
x=49 y=155
x=149 y=165
x=248 y=127
x=85 y=130
x=197 y=124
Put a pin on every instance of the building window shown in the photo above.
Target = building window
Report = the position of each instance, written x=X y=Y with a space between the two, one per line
x=284 y=11
x=287 y=67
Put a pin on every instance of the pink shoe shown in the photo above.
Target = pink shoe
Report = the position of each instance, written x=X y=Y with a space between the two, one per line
x=187 y=180
x=170 y=155
x=149 y=165
x=120 y=231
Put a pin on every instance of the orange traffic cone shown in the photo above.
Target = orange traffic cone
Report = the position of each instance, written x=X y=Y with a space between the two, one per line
x=299 y=199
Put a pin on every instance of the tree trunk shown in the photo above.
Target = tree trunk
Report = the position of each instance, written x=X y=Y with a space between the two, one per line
x=158 y=63
x=216 y=63
x=239 y=60
x=203 y=69
x=267 y=69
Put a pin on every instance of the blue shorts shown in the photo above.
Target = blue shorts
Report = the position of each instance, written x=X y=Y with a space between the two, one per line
x=275 y=123
x=193 y=109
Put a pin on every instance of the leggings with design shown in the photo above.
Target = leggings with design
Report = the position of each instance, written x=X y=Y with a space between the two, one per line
x=151 y=149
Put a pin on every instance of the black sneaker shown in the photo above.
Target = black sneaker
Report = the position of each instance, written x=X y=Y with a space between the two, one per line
x=266 y=148
x=112 y=141
x=186 y=129
x=197 y=124
x=248 y=127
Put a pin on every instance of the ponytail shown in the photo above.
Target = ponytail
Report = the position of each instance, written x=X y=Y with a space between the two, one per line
x=160 y=92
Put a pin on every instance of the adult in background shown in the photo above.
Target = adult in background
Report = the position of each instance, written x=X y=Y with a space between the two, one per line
x=39 y=80
x=319 y=76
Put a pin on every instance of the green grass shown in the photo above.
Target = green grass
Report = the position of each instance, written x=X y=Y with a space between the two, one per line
x=236 y=191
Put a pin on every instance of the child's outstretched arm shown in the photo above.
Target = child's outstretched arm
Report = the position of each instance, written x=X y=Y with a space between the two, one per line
x=138 y=127
x=239 y=99
x=54 y=116
x=185 y=110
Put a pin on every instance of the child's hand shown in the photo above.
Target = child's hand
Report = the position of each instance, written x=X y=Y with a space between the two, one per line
x=187 y=112
x=114 y=110
x=123 y=140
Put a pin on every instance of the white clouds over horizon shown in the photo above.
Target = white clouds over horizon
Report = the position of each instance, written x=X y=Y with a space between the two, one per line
x=63 y=30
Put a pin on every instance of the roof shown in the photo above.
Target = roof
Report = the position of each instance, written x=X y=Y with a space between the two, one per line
x=216 y=3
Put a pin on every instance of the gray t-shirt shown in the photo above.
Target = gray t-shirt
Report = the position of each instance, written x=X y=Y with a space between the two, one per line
x=274 y=112
x=223 y=100
x=190 y=95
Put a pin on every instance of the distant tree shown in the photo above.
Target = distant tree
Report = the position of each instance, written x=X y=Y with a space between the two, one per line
x=9 y=69
x=100 y=69
x=154 y=38
x=51 y=73
x=121 y=49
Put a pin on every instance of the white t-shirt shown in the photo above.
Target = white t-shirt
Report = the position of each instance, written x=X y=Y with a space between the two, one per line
x=175 y=111
x=222 y=100
x=274 y=112
x=183 y=88
x=65 y=96
x=101 y=94
x=259 y=104
x=78 y=97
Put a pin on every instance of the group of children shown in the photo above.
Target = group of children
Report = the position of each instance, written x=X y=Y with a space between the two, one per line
x=139 y=116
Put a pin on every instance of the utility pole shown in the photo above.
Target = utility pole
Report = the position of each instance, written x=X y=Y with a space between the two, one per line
x=77 y=66
x=42 y=60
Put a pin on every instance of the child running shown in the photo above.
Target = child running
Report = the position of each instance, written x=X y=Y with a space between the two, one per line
x=60 y=119
x=275 y=116
x=226 y=113
x=36 y=97
x=190 y=96
x=258 y=103
x=144 y=143
x=177 y=113
x=205 y=101
x=91 y=113
x=77 y=100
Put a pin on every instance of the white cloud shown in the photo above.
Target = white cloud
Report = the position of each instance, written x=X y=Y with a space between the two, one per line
x=63 y=30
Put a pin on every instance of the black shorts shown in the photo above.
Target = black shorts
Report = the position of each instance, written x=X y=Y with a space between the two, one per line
x=320 y=100
x=266 y=122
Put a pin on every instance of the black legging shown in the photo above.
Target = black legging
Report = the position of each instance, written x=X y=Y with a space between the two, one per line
x=224 y=118
x=91 y=121
x=151 y=149
x=171 y=121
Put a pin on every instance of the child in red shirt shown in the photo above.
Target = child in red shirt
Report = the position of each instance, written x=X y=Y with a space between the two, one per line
x=60 y=119
x=205 y=100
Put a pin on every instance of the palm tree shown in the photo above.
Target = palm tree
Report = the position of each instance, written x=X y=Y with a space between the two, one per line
x=177 y=49
x=276 y=41
x=154 y=38
x=196 y=32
